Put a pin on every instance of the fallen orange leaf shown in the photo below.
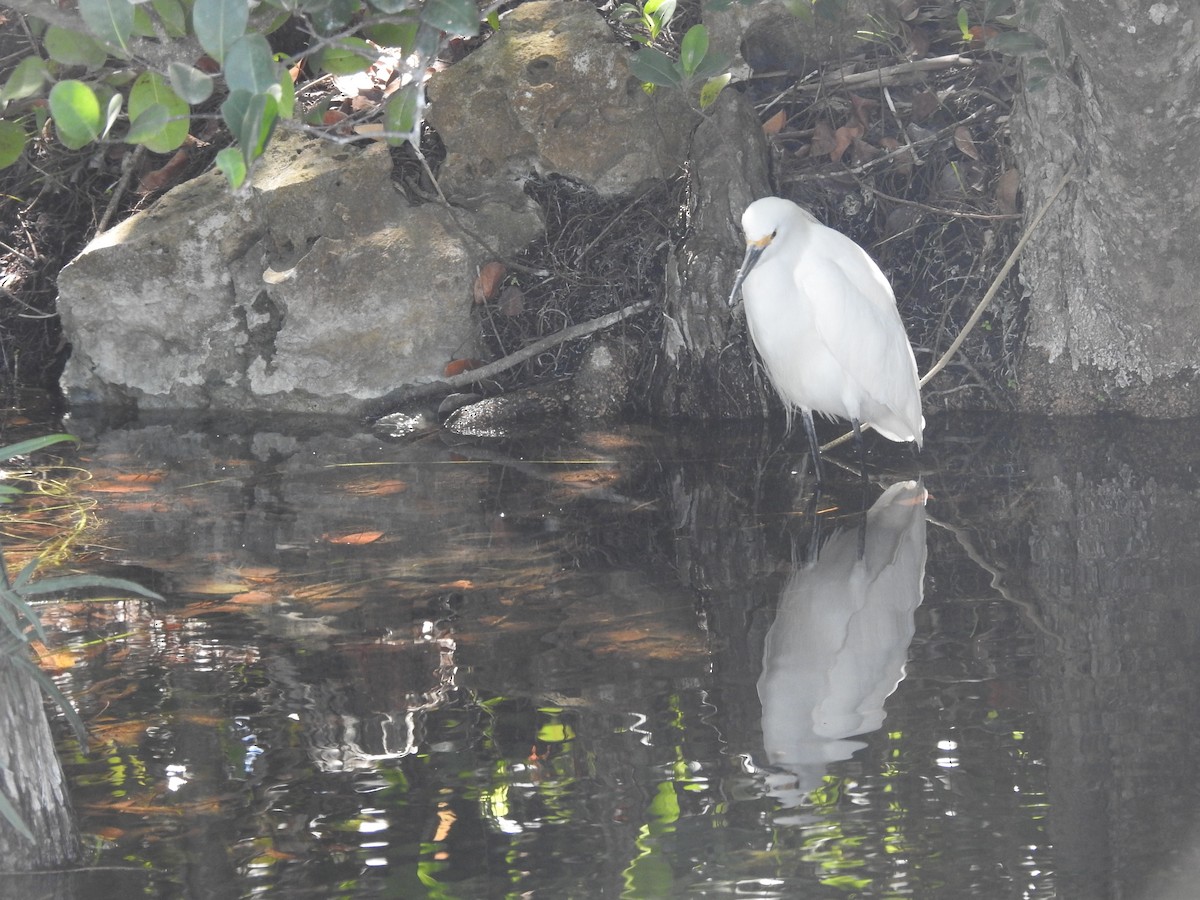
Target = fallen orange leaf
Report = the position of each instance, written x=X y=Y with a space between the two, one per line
x=458 y=366
x=488 y=282
x=358 y=537
x=775 y=124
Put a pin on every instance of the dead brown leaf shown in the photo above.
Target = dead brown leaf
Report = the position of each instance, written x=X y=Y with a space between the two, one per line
x=488 y=282
x=458 y=366
x=822 y=140
x=354 y=539
x=512 y=301
x=165 y=175
x=902 y=162
x=862 y=110
x=964 y=142
x=924 y=105
x=842 y=139
x=1007 y=186
x=863 y=152
x=775 y=124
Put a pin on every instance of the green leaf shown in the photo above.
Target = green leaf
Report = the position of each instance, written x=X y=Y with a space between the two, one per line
x=64 y=583
x=662 y=11
x=801 y=9
x=109 y=20
x=12 y=143
x=693 y=49
x=10 y=814
x=403 y=36
x=111 y=113
x=26 y=79
x=143 y=26
x=284 y=93
x=24 y=448
x=73 y=48
x=147 y=124
x=993 y=8
x=1017 y=43
x=192 y=85
x=329 y=16
x=249 y=65
x=251 y=118
x=392 y=6
x=655 y=67
x=713 y=64
x=76 y=111
x=172 y=15
x=493 y=20
x=403 y=114
x=150 y=92
x=458 y=18
x=964 y=23
x=233 y=166
x=347 y=56
x=712 y=88
x=218 y=23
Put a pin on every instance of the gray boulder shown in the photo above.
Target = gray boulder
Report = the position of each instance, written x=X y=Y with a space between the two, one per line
x=551 y=93
x=317 y=288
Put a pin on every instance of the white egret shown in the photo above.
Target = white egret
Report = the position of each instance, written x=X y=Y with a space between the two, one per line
x=837 y=648
x=823 y=318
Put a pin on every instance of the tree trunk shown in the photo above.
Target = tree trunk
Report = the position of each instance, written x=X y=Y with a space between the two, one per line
x=1113 y=321
x=705 y=367
x=31 y=778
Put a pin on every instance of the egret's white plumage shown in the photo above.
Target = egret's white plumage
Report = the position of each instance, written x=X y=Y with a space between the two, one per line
x=823 y=318
x=839 y=642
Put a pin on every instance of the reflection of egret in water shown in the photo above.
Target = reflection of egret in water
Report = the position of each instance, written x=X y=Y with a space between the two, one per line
x=839 y=642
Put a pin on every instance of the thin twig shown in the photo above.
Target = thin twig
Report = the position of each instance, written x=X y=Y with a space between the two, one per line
x=129 y=165
x=997 y=281
x=390 y=401
x=987 y=298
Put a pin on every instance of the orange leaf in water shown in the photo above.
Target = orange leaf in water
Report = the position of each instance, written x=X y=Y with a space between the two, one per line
x=384 y=487
x=358 y=537
x=56 y=660
x=153 y=477
x=775 y=124
x=253 y=598
x=112 y=487
x=123 y=733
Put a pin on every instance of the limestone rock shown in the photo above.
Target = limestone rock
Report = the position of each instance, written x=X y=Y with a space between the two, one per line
x=551 y=93
x=315 y=290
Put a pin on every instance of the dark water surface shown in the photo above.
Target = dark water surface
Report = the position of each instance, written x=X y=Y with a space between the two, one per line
x=612 y=665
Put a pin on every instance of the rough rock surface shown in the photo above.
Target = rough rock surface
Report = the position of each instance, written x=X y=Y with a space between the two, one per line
x=551 y=93
x=317 y=288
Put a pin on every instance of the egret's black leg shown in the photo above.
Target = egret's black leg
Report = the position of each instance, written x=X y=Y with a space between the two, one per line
x=862 y=461
x=858 y=445
x=811 y=431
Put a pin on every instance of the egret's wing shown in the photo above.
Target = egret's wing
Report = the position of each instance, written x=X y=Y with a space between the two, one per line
x=856 y=317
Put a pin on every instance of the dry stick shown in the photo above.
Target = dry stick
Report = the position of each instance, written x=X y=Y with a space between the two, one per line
x=987 y=298
x=129 y=164
x=483 y=373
